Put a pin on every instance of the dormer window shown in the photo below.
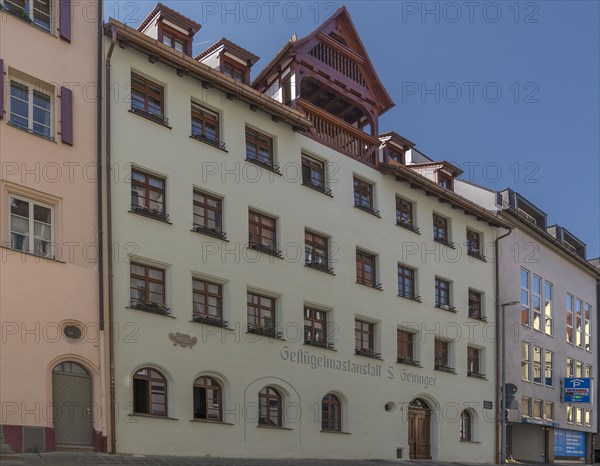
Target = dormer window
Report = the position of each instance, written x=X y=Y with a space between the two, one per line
x=234 y=72
x=173 y=43
x=445 y=181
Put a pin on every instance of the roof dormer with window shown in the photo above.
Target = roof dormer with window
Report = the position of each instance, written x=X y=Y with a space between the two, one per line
x=230 y=59
x=568 y=240
x=442 y=172
x=521 y=206
x=170 y=28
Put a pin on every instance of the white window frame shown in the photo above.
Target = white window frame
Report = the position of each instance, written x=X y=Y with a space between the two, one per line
x=31 y=88
x=30 y=11
x=31 y=222
x=548 y=302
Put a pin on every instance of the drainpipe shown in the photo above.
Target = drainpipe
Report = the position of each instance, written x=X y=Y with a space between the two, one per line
x=499 y=409
x=111 y=344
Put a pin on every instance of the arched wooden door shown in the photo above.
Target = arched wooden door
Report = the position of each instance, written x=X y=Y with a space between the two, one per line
x=419 y=430
x=72 y=403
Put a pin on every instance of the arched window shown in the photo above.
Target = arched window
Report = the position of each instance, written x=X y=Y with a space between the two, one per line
x=269 y=407
x=331 y=413
x=465 y=426
x=208 y=399
x=149 y=392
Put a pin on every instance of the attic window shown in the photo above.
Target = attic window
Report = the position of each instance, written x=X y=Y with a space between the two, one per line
x=234 y=71
x=173 y=43
x=445 y=181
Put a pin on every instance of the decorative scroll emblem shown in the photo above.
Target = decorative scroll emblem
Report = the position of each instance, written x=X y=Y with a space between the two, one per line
x=183 y=340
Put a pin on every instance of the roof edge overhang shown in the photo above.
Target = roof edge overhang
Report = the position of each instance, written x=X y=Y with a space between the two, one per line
x=550 y=241
x=418 y=181
x=188 y=66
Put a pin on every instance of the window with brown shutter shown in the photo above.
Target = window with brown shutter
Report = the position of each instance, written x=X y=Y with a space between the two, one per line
x=406 y=349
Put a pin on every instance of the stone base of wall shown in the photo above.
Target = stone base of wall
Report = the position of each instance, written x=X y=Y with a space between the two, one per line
x=14 y=440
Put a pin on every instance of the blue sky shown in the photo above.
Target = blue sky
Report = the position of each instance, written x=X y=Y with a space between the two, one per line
x=509 y=91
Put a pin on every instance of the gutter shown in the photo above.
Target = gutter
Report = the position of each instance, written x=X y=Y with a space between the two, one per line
x=498 y=339
x=111 y=344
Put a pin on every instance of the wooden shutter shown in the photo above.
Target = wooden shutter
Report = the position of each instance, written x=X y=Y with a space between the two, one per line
x=1 y=88
x=66 y=115
x=65 y=20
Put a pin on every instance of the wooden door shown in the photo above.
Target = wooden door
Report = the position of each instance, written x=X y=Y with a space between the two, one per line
x=419 y=445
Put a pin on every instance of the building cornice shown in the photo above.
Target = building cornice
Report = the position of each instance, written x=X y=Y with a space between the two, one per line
x=185 y=65
x=431 y=188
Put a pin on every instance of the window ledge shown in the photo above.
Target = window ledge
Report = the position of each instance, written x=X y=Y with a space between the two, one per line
x=335 y=432
x=408 y=227
x=469 y=441
x=369 y=210
x=447 y=370
x=27 y=130
x=416 y=299
x=480 y=257
x=37 y=256
x=274 y=168
x=211 y=324
x=477 y=376
x=268 y=251
x=447 y=308
x=149 y=118
x=327 y=346
x=375 y=356
x=325 y=191
x=274 y=427
x=480 y=319
x=152 y=416
x=376 y=286
x=266 y=335
x=211 y=421
x=213 y=234
x=150 y=216
x=154 y=313
x=409 y=362
x=216 y=144
x=447 y=243
x=326 y=270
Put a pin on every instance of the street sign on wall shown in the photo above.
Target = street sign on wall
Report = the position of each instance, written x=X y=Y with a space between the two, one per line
x=577 y=390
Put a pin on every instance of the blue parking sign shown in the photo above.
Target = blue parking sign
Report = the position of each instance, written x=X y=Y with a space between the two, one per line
x=577 y=390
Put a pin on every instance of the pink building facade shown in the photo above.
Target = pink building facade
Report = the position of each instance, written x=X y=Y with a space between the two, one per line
x=51 y=389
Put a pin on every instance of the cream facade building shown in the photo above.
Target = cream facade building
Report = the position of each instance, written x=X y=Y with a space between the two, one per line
x=277 y=278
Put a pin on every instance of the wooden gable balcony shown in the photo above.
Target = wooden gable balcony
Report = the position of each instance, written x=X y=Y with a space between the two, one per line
x=339 y=135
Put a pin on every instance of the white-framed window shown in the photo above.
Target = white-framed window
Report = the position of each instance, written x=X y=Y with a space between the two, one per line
x=38 y=12
x=525 y=358
x=30 y=108
x=548 y=368
x=548 y=309
x=536 y=301
x=537 y=364
x=525 y=317
x=570 y=317
x=588 y=327
x=579 y=323
x=31 y=226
